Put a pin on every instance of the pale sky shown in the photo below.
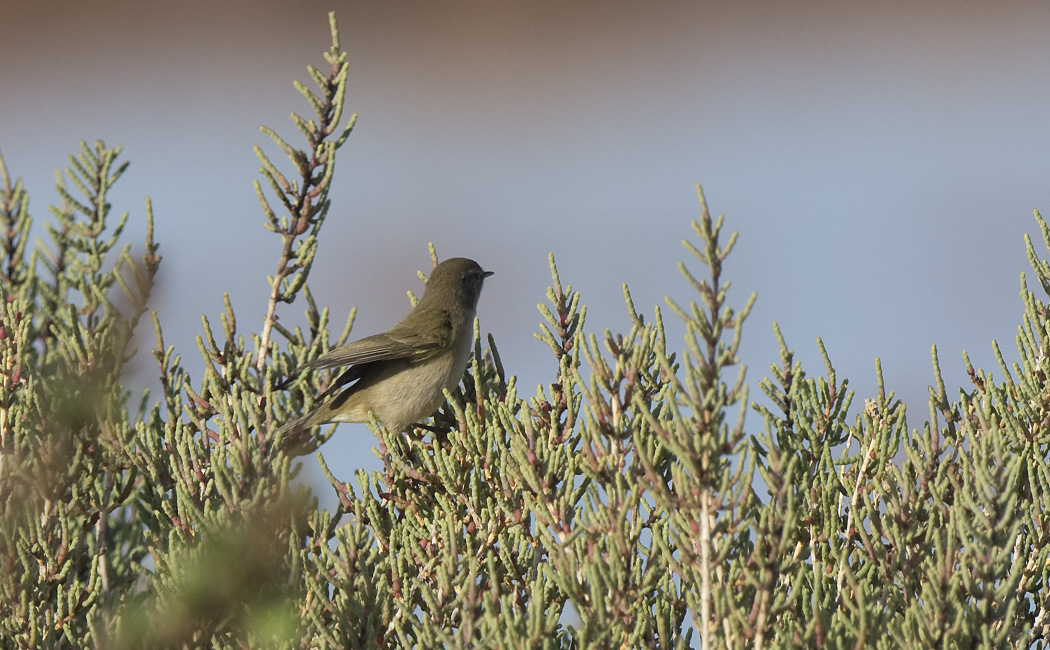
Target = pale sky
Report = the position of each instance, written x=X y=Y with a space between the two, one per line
x=881 y=161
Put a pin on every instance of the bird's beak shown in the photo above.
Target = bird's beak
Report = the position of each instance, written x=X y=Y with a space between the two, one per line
x=486 y=274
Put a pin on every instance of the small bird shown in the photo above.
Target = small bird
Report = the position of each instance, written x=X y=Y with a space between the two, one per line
x=399 y=375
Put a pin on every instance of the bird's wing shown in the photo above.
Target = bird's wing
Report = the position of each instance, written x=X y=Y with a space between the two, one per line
x=403 y=340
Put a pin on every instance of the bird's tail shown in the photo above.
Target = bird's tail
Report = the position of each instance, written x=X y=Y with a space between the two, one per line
x=294 y=437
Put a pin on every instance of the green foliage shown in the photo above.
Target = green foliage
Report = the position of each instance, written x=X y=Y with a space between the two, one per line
x=637 y=500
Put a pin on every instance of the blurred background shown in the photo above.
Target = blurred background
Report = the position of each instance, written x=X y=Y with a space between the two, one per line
x=881 y=162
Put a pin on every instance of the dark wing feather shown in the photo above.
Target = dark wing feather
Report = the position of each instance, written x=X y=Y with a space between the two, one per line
x=351 y=375
x=404 y=340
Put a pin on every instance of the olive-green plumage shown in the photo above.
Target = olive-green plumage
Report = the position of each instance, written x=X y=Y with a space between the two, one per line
x=400 y=375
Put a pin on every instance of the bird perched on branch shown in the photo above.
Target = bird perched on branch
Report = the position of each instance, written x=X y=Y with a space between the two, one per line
x=400 y=375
